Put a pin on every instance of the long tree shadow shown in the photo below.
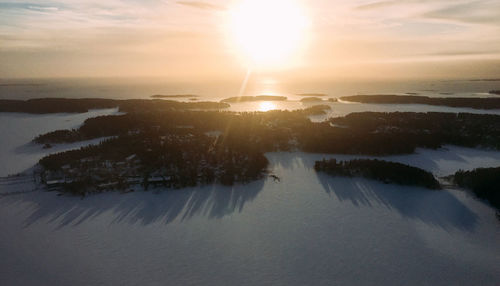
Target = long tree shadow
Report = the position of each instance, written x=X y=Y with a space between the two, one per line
x=438 y=208
x=442 y=162
x=157 y=206
x=434 y=207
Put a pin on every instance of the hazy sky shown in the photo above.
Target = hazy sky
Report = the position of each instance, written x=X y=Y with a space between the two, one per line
x=345 y=38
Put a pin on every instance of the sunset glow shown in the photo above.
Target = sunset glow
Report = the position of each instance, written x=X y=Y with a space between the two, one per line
x=268 y=33
x=223 y=39
x=266 y=106
x=249 y=142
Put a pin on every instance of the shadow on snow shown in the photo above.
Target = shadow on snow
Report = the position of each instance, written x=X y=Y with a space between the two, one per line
x=434 y=207
x=437 y=208
x=144 y=208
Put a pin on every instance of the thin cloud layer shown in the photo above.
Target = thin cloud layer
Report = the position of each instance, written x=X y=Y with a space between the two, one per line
x=168 y=37
x=475 y=12
x=201 y=5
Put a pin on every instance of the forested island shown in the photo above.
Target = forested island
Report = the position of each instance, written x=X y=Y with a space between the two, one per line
x=175 y=159
x=66 y=105
x=265 y=126
x=219 y=141
x=484 y=183
x=55 y=105
x=160 y=96
x=311 y=99
x=173 y=148
x=376 y=133
x=254 y=98
x=149 y=131
x=497 y=92
x=384 y=171
x=311 y=94
x=369 y=133
x=468 y=102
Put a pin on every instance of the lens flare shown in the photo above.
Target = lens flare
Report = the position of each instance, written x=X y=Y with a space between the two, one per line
x=269 y=33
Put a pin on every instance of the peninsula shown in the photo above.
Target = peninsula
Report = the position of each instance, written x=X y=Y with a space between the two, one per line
x=470 y=102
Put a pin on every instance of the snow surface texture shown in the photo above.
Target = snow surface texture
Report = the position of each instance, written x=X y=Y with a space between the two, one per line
x=309 y=229
x=17 y=130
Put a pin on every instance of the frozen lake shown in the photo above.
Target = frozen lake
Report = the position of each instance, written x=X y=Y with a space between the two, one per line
x=308 y=229
x=17 y=153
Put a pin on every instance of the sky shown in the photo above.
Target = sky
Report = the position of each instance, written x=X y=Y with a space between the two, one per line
x=192 y=39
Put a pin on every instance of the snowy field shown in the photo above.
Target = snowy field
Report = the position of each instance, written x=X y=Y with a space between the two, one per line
x=17 y=153
x=308 y=229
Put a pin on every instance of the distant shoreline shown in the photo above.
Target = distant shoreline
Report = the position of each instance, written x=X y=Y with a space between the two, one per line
x=82 y=105
x=467 y=102
x=254 y=98
x=312 y=94
x=22 y=84
x=175 y=96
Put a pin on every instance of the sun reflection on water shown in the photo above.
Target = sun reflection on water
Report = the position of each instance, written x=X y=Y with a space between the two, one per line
x=265 y=106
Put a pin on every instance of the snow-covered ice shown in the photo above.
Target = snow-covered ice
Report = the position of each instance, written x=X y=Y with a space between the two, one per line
x=17 y=130
x=308 y=229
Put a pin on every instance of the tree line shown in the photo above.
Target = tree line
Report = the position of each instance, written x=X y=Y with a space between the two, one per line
x=484 y=182
x=387 y=172
x=471 y=102
x=369 y=133
x=81 y=105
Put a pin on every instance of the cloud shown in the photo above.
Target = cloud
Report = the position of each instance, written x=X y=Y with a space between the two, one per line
x=48 y=7
x=475 y=12
x=452 y=53
x=201 y=5
x=376 y=5
x=463 y=11
x=112 y=35
x=459 y=53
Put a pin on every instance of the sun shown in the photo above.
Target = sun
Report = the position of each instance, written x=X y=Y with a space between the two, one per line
x=269 y=33
x=266 y=106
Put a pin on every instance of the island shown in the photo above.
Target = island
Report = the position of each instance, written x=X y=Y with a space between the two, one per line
x=468 y=102
x=483 y=182
x=184 y=147
x=174 y=159
x=22 y=84
x=141 y=143
x=254 y=98
x=55 y=105
x=486 y=79
x=319 y=109
x=497 y=92
x=370 y=133
x=311 y=99
x=82 y=105
x=384 y=171
x=378 y=133
x=311 y=94
x=160 y=96
x=172 y=148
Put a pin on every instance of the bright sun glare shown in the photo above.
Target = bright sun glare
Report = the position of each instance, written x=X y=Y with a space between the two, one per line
x=266 y=106
x=269 y=32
